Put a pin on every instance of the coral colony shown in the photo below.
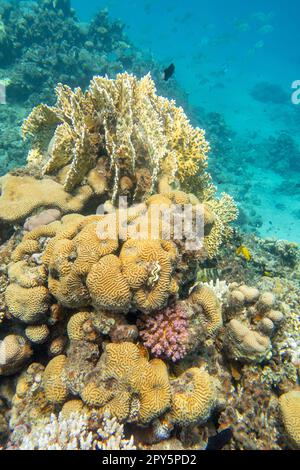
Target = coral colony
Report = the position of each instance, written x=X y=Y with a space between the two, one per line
x=133 y=340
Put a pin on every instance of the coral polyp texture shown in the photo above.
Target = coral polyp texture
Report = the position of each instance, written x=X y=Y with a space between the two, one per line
x=131 y=325
x=125 y=121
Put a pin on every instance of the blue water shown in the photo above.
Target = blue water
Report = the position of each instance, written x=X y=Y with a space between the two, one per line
x=221 y=51
x=238 y=59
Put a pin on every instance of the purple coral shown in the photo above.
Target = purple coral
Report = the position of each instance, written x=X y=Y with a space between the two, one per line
x=165 y=334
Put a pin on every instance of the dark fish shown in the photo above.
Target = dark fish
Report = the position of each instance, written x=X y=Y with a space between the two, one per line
x=220 y=440
x=168 y=72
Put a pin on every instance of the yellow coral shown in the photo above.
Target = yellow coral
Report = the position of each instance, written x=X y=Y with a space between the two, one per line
x=193 y=397
x=147 y=267
x=128 y=386
x=290 y=410
x=125 y=117
x=27 y=305
x=107 y=286
x=15 y=351
x=55 y=389
x=80 y=327
x=206 y=298
x=21 y=195
x=37 y=334
x=27 y=276
x=72 y=406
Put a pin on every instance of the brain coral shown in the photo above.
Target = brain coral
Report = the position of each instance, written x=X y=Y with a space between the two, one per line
x=27 y=305
x=21 y=195
x=55 y=389
x=107 y=286
x=290 y=409
x=147 y=267
x=15 y=351
x=193 y=397
x=211 y=315
x=127 y=385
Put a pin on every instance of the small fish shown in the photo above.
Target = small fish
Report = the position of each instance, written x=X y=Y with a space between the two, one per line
x=244 y=252
x=168 y=72
x=220 y=440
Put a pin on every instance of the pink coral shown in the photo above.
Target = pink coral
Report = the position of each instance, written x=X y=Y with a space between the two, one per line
x=165 y=334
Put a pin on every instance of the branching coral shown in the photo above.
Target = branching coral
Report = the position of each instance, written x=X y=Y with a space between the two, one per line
x=75 y=432
x=165 y=333
x=123 y=118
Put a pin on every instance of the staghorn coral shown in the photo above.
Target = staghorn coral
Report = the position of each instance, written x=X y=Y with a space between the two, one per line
x=165 y=333
x=123 y=118
x=290 y=411
x=21 y=195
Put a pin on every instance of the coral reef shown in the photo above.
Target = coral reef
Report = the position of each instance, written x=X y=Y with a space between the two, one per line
x=119 y=330
x=122 y=118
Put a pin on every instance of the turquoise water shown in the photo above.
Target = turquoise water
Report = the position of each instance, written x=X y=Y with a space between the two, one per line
x=222 y=50
x=86 y=302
